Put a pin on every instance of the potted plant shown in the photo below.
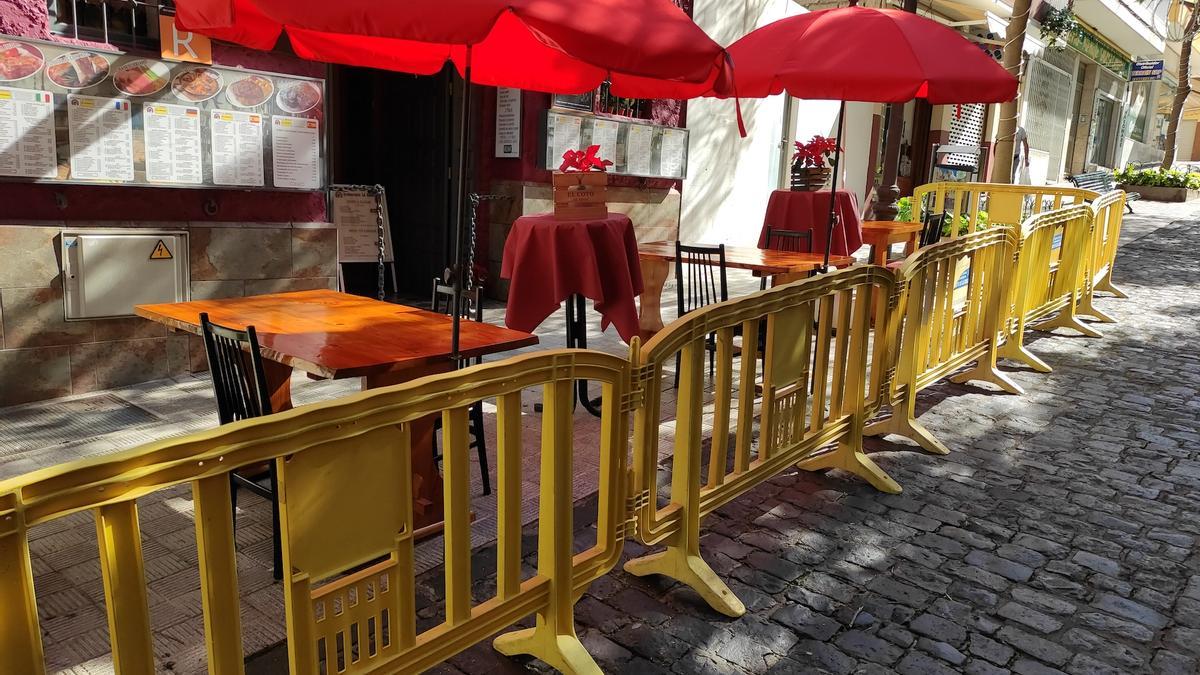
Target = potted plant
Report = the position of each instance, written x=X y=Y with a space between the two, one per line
x=1157 y=185
x=810 y=163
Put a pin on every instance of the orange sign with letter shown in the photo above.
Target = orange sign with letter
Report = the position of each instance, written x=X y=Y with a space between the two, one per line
x=180 y=45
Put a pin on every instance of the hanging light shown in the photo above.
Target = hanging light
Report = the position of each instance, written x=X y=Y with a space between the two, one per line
x=1171 y=18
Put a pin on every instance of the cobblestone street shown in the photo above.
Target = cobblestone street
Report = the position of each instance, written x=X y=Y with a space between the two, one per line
x=1058 y=536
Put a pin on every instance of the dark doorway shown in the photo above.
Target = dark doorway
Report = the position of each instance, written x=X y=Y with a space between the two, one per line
x=396 y=130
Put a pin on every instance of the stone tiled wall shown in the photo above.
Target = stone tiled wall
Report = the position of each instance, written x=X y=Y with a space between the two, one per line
x=654 y=212
x=44 y=356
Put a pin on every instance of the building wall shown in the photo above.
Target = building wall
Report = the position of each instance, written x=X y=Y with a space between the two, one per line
x=258 y=242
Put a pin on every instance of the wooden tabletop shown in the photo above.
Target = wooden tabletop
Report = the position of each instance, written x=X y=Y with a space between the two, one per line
x=891 y=226
x=765 y=261
x=337 y=335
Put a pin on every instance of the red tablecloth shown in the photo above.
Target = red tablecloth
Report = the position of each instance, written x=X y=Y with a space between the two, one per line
x=799 y=210
x=547 y=260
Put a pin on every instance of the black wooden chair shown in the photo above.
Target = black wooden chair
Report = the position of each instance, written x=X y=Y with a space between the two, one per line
x=794 y=241
x=700 y=280
x=240 y=386
x=931 y=232
x=472 y=308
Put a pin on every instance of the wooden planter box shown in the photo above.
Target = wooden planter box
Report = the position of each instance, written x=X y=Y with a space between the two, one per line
x=1162 y=194
x=580 y=195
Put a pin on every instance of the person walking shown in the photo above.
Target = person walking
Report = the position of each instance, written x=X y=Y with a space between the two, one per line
x=1020 y=165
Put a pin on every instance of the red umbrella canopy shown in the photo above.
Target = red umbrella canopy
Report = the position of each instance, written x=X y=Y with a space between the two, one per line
x=646 y=48
x=866 y=54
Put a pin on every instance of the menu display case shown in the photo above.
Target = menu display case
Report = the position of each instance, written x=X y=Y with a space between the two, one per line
x=90 y=116
x=636 y=148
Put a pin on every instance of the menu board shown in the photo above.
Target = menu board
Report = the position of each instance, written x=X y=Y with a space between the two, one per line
x=296 y=148
x=27 y=134
x=101 y=131
x=76 y=115
x=635 y=147
x=173 y=152
x=357 y=229
x=237 y=148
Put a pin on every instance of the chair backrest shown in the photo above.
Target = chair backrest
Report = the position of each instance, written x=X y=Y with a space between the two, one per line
x=235 y=363
x=932 y=231
x=471 y=307
x=1100 y=181
x=796 y=241
x=699 y=276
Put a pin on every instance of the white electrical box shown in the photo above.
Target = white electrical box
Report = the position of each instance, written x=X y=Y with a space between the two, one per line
x=106 y=272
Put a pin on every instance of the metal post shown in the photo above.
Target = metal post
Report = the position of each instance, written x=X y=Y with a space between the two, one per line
x=837 y=161
x=456 y=270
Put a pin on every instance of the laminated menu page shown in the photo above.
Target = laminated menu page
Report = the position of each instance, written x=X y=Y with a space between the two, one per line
x=237 y=148
x=296 y=152
x=27 y=134
x=101 y=131
x=172 y=144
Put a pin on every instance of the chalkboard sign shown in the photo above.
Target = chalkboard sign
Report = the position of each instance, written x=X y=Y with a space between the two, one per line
x=75 y=115
x=636 y=148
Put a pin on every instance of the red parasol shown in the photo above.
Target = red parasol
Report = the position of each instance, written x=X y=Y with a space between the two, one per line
x=865 y=54
x=643 y=48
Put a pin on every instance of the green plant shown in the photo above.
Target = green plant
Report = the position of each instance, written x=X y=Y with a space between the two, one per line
x=904 y=213
x=1156 y=177
x=904 y=209
x=1057 y=24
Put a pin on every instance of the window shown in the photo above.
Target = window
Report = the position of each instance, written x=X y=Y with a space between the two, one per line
x=1140 y=110
x=118 y=22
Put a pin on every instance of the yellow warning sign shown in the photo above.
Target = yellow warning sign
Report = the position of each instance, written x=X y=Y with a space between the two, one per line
x=161 y=252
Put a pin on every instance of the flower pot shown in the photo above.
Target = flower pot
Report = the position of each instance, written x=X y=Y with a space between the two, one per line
x=810 y=178
x=580 y=195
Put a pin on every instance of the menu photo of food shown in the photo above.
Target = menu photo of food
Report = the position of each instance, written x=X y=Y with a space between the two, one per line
x=18 y=60
x=77 y=70
x=142 y=77
x=298 y=96
x=197 y=84
x=250 y=92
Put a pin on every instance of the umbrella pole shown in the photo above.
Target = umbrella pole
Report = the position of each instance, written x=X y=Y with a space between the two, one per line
x=837 y=157
x=456 y=270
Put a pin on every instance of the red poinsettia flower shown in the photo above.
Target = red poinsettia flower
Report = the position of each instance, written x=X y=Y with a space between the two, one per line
x=815 y=153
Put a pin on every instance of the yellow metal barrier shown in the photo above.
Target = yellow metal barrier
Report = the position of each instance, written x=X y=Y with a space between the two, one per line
x=1004 y=204
x=1108 y=211
x=1053 y=258
x=346 y=518
x=952 y=307
x=827 y=365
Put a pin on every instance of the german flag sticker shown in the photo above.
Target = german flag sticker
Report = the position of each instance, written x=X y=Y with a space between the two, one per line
x=161 y=252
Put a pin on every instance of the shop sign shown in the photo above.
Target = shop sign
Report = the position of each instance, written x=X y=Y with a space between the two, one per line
x=1090 y=45
x=1143 y=71
x=180 y=45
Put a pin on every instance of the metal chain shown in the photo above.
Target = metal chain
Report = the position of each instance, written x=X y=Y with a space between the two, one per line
x=469 y=281
x=377 y=192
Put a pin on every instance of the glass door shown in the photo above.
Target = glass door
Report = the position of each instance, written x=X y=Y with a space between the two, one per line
x=1103 y=120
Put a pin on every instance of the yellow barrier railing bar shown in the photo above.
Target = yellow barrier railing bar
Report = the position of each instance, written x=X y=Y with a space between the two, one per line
x=1006 y=204
x=942 y=330
x=345 y=490
x=819 y=384
x=1049 y=278
x=1108 y=212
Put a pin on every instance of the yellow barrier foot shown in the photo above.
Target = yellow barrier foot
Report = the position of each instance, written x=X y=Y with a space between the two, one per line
x=987 y=373
x=1017 y=352
x=693 y=571
x=563 y=652
x=1107 y=286
x=899 y=425
x=1086 y=308
x=857 y=463
x=1065 y=320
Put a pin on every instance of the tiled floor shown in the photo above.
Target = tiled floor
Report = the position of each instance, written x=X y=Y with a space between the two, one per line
x=66 y=567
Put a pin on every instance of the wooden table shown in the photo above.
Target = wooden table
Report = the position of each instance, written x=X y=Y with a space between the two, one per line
x=332 y=335
x=657 y=258
x=881 y=234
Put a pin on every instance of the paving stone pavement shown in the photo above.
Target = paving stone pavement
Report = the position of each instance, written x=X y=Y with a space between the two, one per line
x=1058 y=536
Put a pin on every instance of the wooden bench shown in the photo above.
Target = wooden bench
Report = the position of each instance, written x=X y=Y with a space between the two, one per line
x=1101 y=181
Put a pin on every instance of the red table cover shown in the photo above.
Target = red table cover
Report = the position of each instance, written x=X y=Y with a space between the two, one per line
x=546 y=260
x=809 y=210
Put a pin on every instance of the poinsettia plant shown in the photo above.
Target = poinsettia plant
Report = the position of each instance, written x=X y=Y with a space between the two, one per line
x=815 y=153
x=584 y=160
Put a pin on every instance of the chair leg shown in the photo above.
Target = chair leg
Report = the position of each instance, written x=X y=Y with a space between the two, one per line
x=276 y=546
x=481 y=446
x=677 y=364
x=233 y=488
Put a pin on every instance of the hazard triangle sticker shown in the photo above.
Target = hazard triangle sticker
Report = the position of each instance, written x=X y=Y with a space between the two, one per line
x=161 y=252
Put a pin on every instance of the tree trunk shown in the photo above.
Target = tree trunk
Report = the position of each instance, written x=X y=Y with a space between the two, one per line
x=1002 y=171
x=1181 y=92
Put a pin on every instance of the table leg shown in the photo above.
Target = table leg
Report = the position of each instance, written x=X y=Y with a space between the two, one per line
x=428 y=497
x=577 y=339
x=654 y=277
x=910 y=246
x=279 y=384
x=879 y=254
